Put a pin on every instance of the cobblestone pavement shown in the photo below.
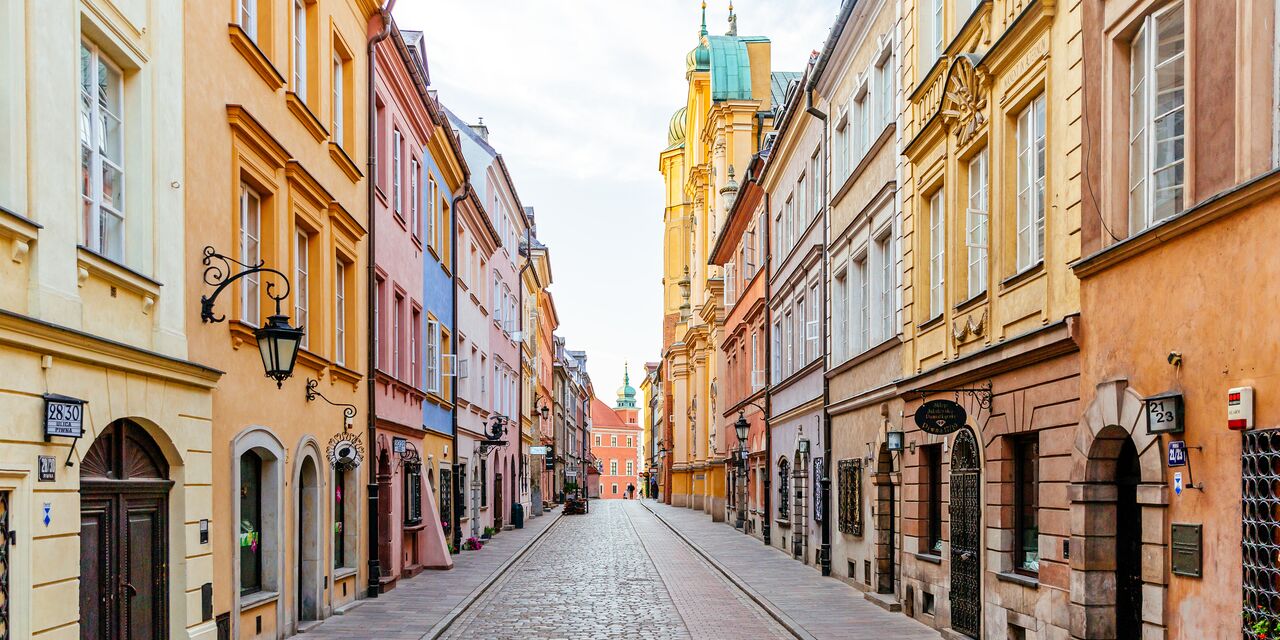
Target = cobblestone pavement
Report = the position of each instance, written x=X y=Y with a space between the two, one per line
x=820 y=607
x=615 y=573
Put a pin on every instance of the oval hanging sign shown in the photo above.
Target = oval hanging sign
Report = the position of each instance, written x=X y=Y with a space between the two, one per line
x=940 y=417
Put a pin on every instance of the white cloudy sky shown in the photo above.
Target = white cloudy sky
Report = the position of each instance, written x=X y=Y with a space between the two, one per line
x=577 y=95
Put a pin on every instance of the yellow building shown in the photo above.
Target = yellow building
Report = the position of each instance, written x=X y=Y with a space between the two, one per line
x=94 y=306
x=990 y=192
x=731 y=93
x=276 y=104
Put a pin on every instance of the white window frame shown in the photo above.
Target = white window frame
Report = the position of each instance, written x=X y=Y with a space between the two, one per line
x=94 y=124
x=885 y=89
x=840 y=313
x=977 y=222
x=414 y=220
x=340 y=313
x=862 y=319
x=396 y=195
x=397 y=310
x=300 y=49
x=250 y=253
x=888 y=285
x=1144 y=67
x=777 y=350
x=937 y=251
x=415 y=325
x=302 y=283
x=339 y=97
x=1031 y=183
x=248 y=18
x=939 y=28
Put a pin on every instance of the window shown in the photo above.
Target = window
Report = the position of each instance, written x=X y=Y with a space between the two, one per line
x=412 y=493
x=932 y=461
x=484 y=482
x=248 y=17
x=938 y=27
x=888 y=285
x=1157 y=102
x=802 y=211
x=840 y=313
x=397 y=337
x=631 y=467
x=340 y=313
x=937 y=252
x=802 y=333
x=613 y=488
x=415 y=326
x=862 y=280
x=432 y=197
x=102 y=152
x=339 y=99
x=301 y=284
x=339 y=516
x=1031 y=184
x=757 y=377
x=250 y=523
x=613 y=468
x=784 y=489
x=777 y=350
x=849 y=474
x=630 y=442
x=414 y=220
x=1026 y=455
x=789 y=336
x=613 y=441
x=597 y=439
x=397 y=141
x=380 y=295
x=729 y=297
x=433 y=356
x=815 y=180
x=976 y=222
x=859 y=120
x=250 y=251
x=886 y=90
x=300 y=49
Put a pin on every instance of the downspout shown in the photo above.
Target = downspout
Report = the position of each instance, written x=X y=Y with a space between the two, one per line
x=371 y=413
x=455 y=518
x=825 y=549
x=768 y=375
x=528 y=262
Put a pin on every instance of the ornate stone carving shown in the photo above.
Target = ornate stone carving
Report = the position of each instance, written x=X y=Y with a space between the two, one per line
x=964 y=100
x=972 y=326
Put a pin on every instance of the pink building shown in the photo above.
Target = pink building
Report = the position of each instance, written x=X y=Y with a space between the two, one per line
x=616 y=443
x=410 y=535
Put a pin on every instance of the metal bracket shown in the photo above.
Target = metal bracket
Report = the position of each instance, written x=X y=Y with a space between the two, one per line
x=348 y=410
x=219 y=277
x=982 y=395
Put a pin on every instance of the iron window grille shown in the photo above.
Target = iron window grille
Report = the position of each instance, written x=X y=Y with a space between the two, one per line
x=849 y=476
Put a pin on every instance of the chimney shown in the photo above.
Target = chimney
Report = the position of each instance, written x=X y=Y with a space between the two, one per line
x=481 y=129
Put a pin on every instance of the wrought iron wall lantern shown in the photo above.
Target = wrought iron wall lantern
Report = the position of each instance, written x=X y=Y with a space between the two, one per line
x=345 y=449
x=494 y=430
x=277 y=341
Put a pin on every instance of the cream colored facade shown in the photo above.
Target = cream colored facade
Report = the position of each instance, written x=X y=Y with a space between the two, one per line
x=100 y=320
x=729 y=85
x=276 y=101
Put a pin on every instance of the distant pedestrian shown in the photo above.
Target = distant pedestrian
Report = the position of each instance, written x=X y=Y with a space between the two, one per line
x=631 y=491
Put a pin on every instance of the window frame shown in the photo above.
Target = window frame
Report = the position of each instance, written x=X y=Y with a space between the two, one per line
x=1030 y=189
x=254 y=493
x=937 y=252
x=302 y=283
x=340 y=312
x=1025 y=469
x=298 y=38
x=933 y=487
x=978 y=223
x=250 y=253
x=95 y=210
x=1143 y=215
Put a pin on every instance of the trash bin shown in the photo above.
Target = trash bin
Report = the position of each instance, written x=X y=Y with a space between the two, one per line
x=517 y=515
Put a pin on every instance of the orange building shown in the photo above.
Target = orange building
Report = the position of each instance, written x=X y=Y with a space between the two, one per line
x=615 y=443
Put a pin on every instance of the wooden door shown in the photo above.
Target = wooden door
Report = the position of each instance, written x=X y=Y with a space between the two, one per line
x=124 y=537
x=497 y=503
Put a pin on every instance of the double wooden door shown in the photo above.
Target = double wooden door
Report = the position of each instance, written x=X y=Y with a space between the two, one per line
x=124 y=550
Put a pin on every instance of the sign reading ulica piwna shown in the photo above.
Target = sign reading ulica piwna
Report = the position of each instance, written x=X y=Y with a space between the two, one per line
x=63 y=416
x=940 y=417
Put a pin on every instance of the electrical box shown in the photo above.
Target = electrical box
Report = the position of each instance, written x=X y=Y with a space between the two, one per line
x=1240 y=408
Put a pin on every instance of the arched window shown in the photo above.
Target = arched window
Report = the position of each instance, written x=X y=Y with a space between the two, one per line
x=784 y=489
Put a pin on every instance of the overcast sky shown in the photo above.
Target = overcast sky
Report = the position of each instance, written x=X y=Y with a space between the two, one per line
x=577 y=95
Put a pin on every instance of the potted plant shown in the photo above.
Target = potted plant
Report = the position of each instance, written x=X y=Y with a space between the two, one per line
x=488 y=533
x=473 y=544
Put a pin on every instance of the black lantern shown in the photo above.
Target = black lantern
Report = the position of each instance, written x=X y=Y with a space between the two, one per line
x=742 y=426
x=278 y=344
x=545 y=412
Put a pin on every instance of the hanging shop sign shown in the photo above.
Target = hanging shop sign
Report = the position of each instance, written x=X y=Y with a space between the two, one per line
x=345 y=451
x=940 y=417
x=538 y=451
x=63 y=416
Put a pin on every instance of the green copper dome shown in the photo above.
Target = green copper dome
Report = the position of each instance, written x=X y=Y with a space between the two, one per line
x=675 y=130
x=626 y=393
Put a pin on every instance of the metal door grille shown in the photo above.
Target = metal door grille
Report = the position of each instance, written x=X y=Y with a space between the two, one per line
x=4 y=565
x=966 y=557
x=1260 y=534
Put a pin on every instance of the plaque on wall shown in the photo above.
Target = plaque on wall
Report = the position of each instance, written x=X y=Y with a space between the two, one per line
x=940 y=417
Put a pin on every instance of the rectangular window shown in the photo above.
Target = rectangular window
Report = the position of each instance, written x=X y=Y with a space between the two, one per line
x=802 y=333
x=862 y=280
x=380 y=291
x=397 y=337
x=415 y=326
x=937 y=252
x=250 y=252
x=248 y=17
x=1157 y=102
x=802 y=212
x=340 y=313
x=613 y=471
x=433 y=356
x=414 y=220
x=932 y=461
x=729 y=297
x=888 y=286
x=815 y=179
x=1031 y=184
x=860 y=116
x=396 y=196
x=597 y=440
x=814 y=328
x=613 y=441
x=886 y=91
x=300 y=49
x=631 y=467
x=791 y=343
x=102 y=152
x=757 y=374
x=840 y=314
x=1026 y=456
x=939 y=28
x=777 y=350
x=413 y=493
x=976 y=223
x=630 y=442
x=301 y=284
x=339 y=517
x=339 y=100
x=432 y=212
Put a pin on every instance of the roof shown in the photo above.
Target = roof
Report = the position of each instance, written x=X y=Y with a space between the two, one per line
x=731 y=67
x=828 y=47
x=778 y=83
x=602 y=417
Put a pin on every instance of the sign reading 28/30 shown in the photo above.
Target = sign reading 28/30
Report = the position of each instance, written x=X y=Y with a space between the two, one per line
x=63 y=416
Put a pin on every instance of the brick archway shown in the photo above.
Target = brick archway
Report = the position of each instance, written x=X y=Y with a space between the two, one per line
x=1115 y=416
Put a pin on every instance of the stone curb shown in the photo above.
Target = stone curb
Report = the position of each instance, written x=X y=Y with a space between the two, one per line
x=783 y=619
x=447 y=621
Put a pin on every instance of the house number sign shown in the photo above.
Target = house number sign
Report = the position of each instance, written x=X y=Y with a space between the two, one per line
x=63 y=416
x=1164 y=413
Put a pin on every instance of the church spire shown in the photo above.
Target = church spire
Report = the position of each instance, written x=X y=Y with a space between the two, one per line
x=703 y=31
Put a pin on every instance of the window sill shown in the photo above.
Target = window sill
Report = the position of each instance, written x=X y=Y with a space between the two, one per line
x=1022 y=276
x=256 y=58
x=928 y=557
x=97 y=265
x=18 y=227
x=344 y=374
x=1018 y=578
x=311 y=360
x=258 y=599
x=930 y=323
x=298 y=107
x=344 y=162
x=972 y=302
x=342 y=573
x=783 y=524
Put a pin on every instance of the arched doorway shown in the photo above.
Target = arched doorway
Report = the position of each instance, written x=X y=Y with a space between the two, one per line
x=966 y=534
x=885 y=522
x=124 y=537
x=1128 y=543
x=310 y=567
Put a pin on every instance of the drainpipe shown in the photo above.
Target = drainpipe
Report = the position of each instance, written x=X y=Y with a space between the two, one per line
x=825 y=549
x=455 y=518
x=371 y=413
x=528 y=262
x=768 y=376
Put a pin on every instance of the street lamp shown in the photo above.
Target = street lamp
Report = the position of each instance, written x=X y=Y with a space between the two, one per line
x=278 y=344
x=277 y=341
x=741 y=426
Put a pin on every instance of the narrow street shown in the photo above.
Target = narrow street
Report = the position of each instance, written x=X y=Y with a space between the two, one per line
x=618 y=572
